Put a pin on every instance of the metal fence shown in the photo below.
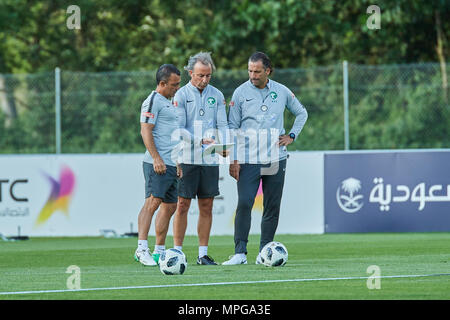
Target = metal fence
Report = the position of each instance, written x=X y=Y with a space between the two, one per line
x=350 y=107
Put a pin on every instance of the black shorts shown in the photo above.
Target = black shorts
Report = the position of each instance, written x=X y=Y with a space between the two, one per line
x=162 y=186
x=198 y=181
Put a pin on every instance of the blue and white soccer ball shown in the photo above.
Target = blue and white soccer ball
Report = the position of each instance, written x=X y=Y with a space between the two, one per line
x=172 y=261
x=274 y=254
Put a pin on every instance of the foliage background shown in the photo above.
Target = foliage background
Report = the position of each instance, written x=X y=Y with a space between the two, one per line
x=397 y=74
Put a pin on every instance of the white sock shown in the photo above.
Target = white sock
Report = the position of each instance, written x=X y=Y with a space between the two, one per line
x=159 y=248
x=143 y=244
x=178 y=248
x=202 y=251
x=241 y=255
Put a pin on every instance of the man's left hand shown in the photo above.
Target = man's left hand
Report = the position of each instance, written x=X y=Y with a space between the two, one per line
x=285 y=140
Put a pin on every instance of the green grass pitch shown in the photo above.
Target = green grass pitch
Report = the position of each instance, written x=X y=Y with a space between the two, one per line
x=329 y=266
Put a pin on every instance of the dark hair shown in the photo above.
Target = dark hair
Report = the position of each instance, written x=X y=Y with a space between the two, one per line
x=261 y=56
x=164 y=72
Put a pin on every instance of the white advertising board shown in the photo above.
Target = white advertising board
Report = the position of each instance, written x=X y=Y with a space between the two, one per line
x=78 y=195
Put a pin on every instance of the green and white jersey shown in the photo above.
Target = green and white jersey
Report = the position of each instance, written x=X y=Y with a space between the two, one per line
x=260 y=112
x=200 y=115
x=160 y=111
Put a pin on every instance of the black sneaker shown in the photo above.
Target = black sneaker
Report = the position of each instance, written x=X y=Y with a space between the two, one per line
x=206 y=260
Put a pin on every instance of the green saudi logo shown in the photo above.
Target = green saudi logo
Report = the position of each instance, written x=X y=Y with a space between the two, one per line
x=273 y=95
x=211 y=100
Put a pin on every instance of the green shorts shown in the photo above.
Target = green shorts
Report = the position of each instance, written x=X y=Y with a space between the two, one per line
x=198 y=181
x=162 y=186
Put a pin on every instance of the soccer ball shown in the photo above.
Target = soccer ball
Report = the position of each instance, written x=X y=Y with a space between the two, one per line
x=274 y=254
x=172 y=261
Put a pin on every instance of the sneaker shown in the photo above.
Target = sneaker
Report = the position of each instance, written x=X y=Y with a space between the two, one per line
x=206 y=260
x=236 y=259
x=144 y=257
x=258 y=259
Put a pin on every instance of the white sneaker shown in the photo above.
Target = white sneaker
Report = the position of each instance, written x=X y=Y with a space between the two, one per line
x=258 y=259
x=144 y=257
x=239 y=258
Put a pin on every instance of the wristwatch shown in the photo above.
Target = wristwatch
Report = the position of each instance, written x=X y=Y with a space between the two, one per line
x=292 y=135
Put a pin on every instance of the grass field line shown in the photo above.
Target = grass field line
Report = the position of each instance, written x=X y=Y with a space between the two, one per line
x=223 y=283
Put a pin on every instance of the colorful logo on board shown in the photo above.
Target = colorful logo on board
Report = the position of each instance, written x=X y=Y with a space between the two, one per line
x=60 y=195
x=258 y=205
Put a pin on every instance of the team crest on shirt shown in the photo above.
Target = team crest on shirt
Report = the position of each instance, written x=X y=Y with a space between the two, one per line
x=211 y=101
x=273 y=95
x=175 y=103
x=231 y=103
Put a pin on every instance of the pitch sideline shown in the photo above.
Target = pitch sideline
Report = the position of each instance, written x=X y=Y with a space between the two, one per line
x=223 y=283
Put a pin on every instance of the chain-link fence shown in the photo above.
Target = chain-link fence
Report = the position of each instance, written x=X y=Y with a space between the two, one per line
x=399 y=106
x=27 y=122
x=394 y=106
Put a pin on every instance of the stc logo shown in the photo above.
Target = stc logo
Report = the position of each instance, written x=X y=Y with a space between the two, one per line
x=12 y=191
x=60 y=195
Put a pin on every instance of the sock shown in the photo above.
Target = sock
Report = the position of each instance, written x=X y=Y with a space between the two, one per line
x=178 y=248
x=202 y=251
x=241 y=255
x=159 y=248
x=143 y=244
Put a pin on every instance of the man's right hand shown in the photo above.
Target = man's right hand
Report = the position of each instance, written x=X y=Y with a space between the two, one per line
x=207 y=141
x=234 y=170
x=159 y=166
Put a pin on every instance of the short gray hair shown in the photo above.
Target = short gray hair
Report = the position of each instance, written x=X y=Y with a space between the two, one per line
x=203 y=57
